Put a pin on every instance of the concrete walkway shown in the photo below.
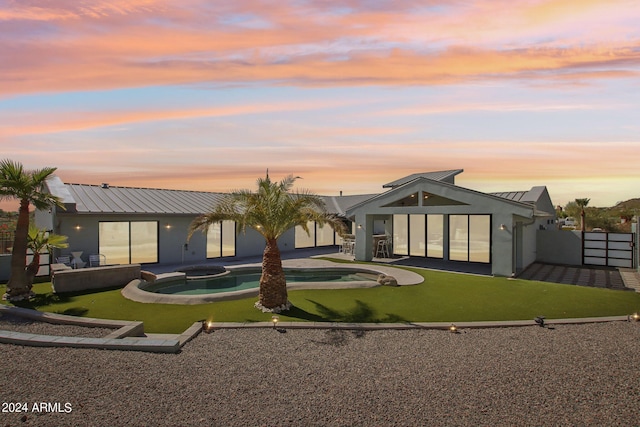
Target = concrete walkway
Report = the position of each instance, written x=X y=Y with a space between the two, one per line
x=599 y=277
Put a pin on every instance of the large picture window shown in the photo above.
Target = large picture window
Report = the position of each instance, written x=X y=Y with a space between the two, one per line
x=401 y=234
x=128 y=242
x=470 y=238
x=435 y=236
x=417 y=246
x=221 y=239
x=304 y=239
x=319 y=235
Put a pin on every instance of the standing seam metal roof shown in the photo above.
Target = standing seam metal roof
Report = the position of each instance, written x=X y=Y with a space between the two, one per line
x=96 y=199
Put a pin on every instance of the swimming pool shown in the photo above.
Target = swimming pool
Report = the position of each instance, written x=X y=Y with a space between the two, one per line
x=250 y=279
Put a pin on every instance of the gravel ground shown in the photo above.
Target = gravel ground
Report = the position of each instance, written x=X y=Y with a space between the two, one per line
x=584 y=375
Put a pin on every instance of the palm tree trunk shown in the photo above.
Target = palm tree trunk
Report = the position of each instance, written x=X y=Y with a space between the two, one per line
x=32 y=269
x=273 y=284
x=18 y=284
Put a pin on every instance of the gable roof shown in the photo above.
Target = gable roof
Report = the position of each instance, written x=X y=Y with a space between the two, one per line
x=444 y=176
x=517 y=204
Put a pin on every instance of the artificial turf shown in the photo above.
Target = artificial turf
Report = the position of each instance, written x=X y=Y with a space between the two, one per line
x=442 y=297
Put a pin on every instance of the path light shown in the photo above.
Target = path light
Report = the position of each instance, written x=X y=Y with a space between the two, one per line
x=453 y=329
x=207 y=326
x=275 y=319
x=635 y=317
x=539 y=320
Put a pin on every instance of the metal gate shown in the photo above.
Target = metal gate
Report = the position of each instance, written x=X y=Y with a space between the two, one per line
x=608 y=249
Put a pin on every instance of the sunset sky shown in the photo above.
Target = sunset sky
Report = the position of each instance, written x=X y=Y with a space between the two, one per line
x=349 y=95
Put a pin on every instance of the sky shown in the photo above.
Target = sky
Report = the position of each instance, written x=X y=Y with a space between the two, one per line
x=209 y=95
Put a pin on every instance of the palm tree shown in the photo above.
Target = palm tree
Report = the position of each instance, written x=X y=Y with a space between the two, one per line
x=28 y=188
x=582 y=203
x=271 y=211
x=40 y=240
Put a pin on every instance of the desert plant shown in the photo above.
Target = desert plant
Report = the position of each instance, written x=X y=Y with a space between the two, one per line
x=271 y=210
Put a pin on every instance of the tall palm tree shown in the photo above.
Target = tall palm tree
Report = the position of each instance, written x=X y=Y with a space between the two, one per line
x=40 y=240
x=28 y=188
x=582 y=203
x=271 y=210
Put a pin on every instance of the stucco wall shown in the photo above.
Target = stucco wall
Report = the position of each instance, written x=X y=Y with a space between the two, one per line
x=83 y=231
x=559 y=247
x=95 y=278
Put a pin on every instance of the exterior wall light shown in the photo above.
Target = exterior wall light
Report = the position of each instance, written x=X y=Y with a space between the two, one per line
x=168 y=226
x=503 y=227
x=77 y=227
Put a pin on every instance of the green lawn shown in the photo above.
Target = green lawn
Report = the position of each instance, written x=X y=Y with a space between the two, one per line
x=442 y=297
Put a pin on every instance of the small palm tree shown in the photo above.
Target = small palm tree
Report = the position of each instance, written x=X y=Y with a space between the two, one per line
x=28 y=188
x=40 y=240
x=271 y=211
x=582 y=203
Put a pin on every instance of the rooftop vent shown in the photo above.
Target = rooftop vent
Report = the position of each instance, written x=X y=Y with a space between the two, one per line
x=105 y=185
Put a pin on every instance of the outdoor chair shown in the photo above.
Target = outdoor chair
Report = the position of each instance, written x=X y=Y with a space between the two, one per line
x=66 y=260
x=96 y=260
x=382 y=250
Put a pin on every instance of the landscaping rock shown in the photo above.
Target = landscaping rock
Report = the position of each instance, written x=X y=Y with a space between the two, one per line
x=385 y=280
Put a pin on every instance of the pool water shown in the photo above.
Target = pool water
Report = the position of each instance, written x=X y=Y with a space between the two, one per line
x=237 y=281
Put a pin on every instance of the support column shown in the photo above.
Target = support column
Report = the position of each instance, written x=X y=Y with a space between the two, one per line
x=364 y=237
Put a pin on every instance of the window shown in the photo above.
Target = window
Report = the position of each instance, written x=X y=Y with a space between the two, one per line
x=480 y=238
x=304 y=240
x=401 y=234
x=324 y=235
x=319 y=235
x=470 y=238
x=128 y=242
x=221 y=239
x=417 y=246
x=459 y=237
x=435 y=234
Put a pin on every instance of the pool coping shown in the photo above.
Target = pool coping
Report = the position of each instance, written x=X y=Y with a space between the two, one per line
x=404 y=278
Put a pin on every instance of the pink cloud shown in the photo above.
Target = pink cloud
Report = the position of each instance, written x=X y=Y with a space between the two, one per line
x=95 y=45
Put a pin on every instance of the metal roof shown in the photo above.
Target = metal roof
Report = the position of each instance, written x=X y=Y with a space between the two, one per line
x=111 y=199
x=445 y=176
x=516 y=196
x=340 y=204
x=84 y=198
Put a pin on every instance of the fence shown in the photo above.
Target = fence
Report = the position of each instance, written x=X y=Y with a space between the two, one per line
x=6 y=241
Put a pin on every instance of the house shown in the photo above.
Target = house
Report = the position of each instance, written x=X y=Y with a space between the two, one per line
x=426 y=215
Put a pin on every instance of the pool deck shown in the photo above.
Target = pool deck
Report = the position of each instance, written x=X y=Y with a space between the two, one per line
x=404 y=278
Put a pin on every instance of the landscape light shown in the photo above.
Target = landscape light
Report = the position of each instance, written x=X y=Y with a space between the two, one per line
x=453 y=329
x=539 y=320
x=207 y=326
x=635 y=316
x=275 y=319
